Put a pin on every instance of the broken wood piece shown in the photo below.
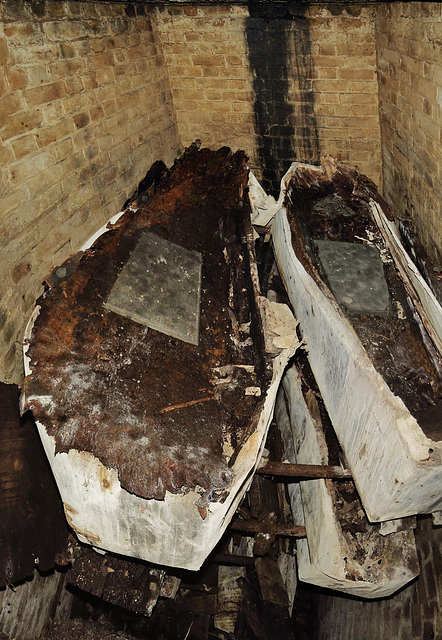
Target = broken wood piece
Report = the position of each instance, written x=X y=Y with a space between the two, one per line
x=230 y=595
x=304 y=471
x=170 y=586
x=252 y=526
x=270 y=580
x=122 y=582
x=289 y=573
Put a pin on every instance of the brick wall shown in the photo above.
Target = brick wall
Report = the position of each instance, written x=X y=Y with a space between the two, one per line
x=207 y=59
x=409 y=37
x=345 y=85
x=413 y=614
x=85 y=108
x=284 y=84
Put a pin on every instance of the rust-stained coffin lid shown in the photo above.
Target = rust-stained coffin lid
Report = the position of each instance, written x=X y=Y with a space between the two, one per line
x=379 y=378
x=153 y=440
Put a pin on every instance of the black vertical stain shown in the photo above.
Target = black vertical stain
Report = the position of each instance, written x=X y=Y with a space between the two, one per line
x=273 y=32
x=307 y=135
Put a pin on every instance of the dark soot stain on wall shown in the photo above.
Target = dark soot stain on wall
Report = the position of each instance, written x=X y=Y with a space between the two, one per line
x=283 y=134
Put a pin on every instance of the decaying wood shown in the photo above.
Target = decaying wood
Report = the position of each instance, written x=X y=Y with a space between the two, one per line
x=132 y=586
x=230 y=595
x=126 y=410
x=270 y=580
x=397 y=467
x=342 y=550
x=33 y=530
x=424 y=300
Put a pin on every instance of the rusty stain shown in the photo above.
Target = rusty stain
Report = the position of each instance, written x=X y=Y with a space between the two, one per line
x=104 y=477
x=20 y=271
x=112 y=380
x=72 y=510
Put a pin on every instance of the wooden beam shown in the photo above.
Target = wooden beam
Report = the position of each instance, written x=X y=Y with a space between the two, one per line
x=304 y=471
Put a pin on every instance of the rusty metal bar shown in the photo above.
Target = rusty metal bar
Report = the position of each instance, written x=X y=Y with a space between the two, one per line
x=305 y=471
x=229 y=559
x=253 y=526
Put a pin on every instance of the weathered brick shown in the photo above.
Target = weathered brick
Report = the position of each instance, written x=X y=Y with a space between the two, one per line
x=3 y=51
x=30 y=166
x=20 y=123
x=81 y=120
x=24 y=145
x=18 y=79
x=45 y=93
x=51 y=134
x=73 y=86
x=37 y=75
x=105 y=76
x=63 y=30
x=10 y=202
x=65 y=68
x=9 y=105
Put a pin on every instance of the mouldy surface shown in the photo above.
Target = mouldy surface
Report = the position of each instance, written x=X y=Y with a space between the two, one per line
x=377 y=370
x=153 y=440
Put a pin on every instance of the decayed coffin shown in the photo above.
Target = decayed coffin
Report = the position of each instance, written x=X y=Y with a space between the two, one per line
x=378 y=371
x=153 y=439
x=342 y=550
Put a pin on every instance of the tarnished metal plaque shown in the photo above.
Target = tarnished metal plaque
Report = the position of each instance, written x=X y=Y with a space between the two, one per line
x=355 y=274
x=160 y=287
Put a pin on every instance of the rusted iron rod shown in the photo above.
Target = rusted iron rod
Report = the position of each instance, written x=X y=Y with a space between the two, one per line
x=253 y=526
x=302 y=470
x=228 y=559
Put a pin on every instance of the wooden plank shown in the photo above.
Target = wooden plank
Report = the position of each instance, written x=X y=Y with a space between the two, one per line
x=270 y=580
x=230 y=595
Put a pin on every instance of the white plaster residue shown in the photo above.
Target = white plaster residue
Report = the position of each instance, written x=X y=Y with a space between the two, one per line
x=279 y=325
x=88 y=244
